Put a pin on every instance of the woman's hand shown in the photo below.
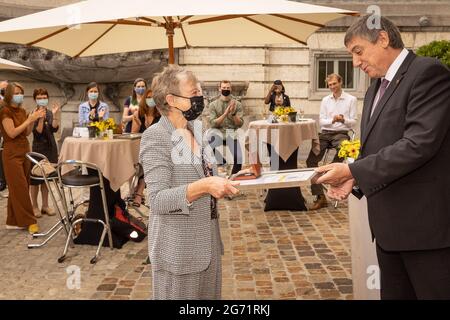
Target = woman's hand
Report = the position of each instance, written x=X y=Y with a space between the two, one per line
x=55 y=108
x=101 y=113
x=220 y=187
x=36 y=114
x=92 y=113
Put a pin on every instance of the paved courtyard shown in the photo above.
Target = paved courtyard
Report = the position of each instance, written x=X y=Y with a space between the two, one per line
x=268 y=255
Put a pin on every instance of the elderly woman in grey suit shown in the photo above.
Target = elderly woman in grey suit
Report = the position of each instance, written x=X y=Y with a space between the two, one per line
x=184 y=239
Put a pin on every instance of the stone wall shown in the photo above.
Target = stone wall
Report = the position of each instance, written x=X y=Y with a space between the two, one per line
x=260 y=66
x=253 y=68
x=256 y=67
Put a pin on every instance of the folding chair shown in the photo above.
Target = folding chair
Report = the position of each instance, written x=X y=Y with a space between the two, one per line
x=76 y=179
x=35 y=158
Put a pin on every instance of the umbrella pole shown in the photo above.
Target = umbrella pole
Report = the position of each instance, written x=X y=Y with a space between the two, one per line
x=170 y=32
x=171 y=49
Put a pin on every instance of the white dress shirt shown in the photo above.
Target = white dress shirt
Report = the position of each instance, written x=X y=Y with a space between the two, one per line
x=330 y=107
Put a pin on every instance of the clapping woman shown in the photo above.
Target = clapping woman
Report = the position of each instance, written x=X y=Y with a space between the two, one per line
x=44 y=143
x=132 y=103
x=144 y=117
x=93 y=109
x=16 y=126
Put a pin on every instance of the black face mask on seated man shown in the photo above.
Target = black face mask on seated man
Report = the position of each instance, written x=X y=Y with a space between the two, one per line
x=226 y=93
x=197 y=106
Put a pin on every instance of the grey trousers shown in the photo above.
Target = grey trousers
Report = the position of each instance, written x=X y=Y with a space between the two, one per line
x=328 y=140
x=204 y=285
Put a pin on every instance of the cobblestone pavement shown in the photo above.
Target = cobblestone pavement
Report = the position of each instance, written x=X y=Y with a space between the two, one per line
x=268 y=255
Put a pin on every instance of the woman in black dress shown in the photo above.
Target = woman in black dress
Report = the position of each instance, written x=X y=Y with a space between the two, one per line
x=44 y=142
x=277 y=96
x=146 y=115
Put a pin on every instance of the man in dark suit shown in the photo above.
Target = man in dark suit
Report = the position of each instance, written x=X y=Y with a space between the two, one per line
x=403 y=167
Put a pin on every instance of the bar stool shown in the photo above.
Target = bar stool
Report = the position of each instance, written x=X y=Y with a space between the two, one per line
x=325 y=158
x=76 y=179
x=35 y=158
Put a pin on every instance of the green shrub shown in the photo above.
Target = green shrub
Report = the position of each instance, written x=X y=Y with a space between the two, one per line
x=436 y=49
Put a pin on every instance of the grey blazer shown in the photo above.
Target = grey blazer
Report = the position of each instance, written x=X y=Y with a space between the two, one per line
x=404 y=165
x=179 y=233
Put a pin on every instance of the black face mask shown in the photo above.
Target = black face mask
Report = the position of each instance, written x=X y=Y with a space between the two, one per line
x=2 y=92
x=226 y=93
x=197 y=106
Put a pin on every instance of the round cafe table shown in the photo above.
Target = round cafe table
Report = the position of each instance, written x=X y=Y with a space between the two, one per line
x=116 y=159
x=283 y=141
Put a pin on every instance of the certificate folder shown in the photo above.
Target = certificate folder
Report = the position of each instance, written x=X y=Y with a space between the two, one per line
x=279 y=179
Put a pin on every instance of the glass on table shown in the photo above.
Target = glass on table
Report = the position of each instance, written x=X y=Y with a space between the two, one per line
x=301 y=113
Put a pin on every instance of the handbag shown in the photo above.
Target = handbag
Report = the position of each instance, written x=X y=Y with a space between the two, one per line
x=127 y=226
x=48 y=168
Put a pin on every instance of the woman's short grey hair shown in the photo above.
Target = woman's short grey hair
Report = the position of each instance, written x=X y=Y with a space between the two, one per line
x=369 y=27
x=167 y=82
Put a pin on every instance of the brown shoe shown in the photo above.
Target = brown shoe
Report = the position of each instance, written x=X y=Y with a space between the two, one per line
x=321 y=202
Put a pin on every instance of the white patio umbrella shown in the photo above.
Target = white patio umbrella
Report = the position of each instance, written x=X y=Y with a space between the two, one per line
x=9 y=65
x=96 y=27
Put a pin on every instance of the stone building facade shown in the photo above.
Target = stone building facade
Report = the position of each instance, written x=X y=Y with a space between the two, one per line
x=252 y=69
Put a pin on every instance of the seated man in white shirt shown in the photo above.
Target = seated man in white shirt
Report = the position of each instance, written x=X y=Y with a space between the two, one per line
x=338 y=114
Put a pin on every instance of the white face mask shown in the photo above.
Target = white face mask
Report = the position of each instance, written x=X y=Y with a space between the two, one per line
x=42 y=102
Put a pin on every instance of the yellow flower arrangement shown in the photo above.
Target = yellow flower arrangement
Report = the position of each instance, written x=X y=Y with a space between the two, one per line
x=349 y=149
x=284 y=118
x=281 y=111
x=102 y=126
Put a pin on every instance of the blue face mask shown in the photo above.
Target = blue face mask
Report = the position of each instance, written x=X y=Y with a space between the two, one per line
x=150 y=102
x=42 y=102
x=139 y=91
x=18 y=99
x=93 y=95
